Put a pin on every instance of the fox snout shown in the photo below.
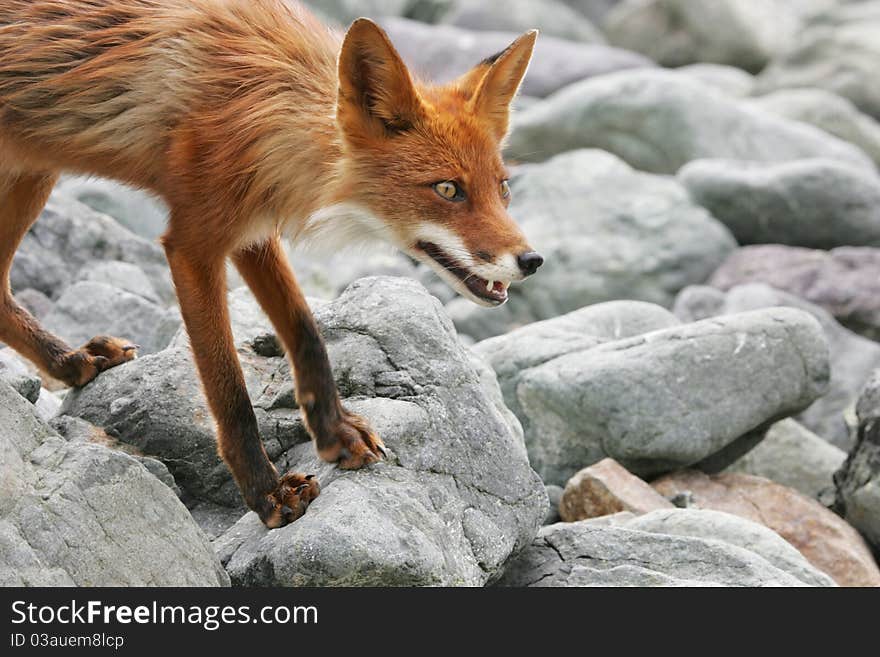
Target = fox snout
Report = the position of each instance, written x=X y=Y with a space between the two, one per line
x=478 y=275
x=529 y=262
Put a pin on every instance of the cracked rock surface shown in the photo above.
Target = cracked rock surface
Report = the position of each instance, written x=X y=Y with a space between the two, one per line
x=675 y=547
x=80 y=514
x=455 y=499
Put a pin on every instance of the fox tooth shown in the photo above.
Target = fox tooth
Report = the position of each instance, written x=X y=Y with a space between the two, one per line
x=489 y=285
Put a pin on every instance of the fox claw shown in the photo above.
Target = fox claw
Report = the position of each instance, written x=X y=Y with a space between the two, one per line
x=353 y=445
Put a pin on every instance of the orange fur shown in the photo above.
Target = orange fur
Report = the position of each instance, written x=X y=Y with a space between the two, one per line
x=251 y=120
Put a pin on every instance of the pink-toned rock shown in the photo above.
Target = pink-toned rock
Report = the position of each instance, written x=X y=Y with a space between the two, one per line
x=604 y=488
x=844 y=281
x=825 y=539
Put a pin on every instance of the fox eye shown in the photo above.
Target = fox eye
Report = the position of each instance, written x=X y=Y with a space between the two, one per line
x=505 y=189
x=449 y=190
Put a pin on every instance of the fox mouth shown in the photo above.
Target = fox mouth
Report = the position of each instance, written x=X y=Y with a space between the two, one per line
x=484 y=292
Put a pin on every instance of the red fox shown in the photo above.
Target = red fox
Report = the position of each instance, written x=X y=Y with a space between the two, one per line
x=252 y=121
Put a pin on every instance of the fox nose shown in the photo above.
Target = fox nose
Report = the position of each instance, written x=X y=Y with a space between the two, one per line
x=529 y=262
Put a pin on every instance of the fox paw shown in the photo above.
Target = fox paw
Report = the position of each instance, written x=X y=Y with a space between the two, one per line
x=288 y=502
x=97 y=355
x=352 y=444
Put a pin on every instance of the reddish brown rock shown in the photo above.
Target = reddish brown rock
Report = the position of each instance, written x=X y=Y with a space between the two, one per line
x=825 y=539
x=604 y=488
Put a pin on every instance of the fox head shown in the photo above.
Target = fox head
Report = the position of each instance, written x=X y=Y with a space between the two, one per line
x=424 y=161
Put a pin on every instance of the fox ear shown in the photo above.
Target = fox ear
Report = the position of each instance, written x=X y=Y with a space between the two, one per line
x=376 y=92
x=498 y=85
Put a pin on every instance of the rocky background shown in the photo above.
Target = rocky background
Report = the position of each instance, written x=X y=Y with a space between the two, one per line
x=688 y=393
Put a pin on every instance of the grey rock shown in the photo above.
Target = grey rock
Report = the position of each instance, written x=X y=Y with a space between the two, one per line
x=443 y=52
x=554 y=494
x=34 y=301
x=817 y=203
x=48 y=405
x=21 y=376
x=122 y=275
x=844 y=281
x=828 y=111
x=476 y=324
x=141 y=213
x=595 y=10
x=858 y=480
x=156 y=404
x=454 y=501
x=728 y=79
x=26 y=385
x=852 y=357
x=324 y=273
x=75 y=429
x=671 y=397
x=69 y=235
x=552 y=17
x=343 y=12
x=87 y=309
x=590 y=553
x=838 y=52
x=751 y=536
x=794 y=456
x=742 y=33
x=660 y=120
x=515 y=353
x=76 y=514
x=606 y=232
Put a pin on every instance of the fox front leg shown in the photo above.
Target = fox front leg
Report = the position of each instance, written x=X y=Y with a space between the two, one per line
x=340 y=436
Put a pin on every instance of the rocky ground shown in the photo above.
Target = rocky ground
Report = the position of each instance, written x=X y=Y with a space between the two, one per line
x=687 y=394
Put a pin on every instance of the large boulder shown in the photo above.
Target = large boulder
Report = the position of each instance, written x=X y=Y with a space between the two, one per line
x=443 y=52
x=720 y=549
x=660 y=120
x=852 y=357
x=80 y=514
x=606 y=232
x=838 y=52
x=70 y=236
x=792 y=455
x=828 y=111
x=455 y=499
x=858 y=480
x=676 y=32
x=665 y=398
x=515 y=353
x=844 y=281
x=826 y=540
x=818 y=203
